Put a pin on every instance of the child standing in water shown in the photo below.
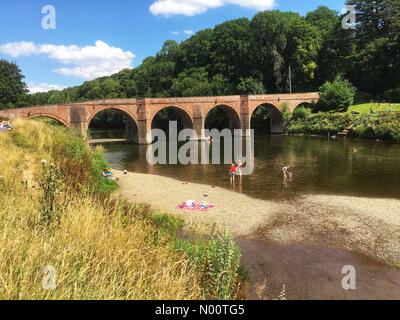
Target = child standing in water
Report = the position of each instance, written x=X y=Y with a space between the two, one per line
x=232 y=173
x=286 y=173
x=239 y=170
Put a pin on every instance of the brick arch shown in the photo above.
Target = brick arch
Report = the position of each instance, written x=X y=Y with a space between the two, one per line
x=132 y=132
x=253 y=108
x=187 y=117
x=121 y=109
x=50 y=116
x=311 y=104
x=233 y=114
x=275 y=116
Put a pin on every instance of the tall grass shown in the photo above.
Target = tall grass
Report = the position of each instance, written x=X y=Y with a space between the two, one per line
x=56 y=214
x=99 y=249
x=214 y=254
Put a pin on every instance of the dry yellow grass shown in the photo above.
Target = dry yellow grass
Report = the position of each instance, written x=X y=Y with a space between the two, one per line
x=97 y=250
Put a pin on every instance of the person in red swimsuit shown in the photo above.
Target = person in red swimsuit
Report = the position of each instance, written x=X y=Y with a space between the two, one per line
x=232 y=173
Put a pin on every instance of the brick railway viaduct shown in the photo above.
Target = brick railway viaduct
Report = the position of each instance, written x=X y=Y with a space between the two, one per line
x=193 y=111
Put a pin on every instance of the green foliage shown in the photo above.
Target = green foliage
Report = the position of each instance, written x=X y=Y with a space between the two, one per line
x=51 y=186
x=12 y=87
x=301 y=113
x=167 y=224
x=336 y=95
x=250 y=86
x=393 y=95
x=98 y=184
x=80 y=165
x=379 y=125
x=324 y=19
x=219 y=263
x=192 y=82
x=215 y=257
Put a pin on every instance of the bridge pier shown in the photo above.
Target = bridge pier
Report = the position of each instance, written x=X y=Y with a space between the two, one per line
x=198 y=127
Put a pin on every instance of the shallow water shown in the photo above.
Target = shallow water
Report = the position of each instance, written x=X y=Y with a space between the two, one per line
x=339 y=167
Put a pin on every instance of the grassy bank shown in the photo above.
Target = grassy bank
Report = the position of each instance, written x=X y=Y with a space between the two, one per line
x=360 y=123
x=375 y=107
x=56 y=210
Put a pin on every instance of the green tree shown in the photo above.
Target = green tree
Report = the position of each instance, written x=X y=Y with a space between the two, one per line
x=221 y=86
x=195 y=52
x=250 y=86
x=304 y=44
x=269 y=31
x=192 y=82
x=12 y=86
x=337 y=95
x=57 y=97
x=230 y=49
x=324 y=19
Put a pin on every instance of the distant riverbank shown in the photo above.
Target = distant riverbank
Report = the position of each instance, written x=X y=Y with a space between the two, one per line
x=369 y=226
x=382 y=125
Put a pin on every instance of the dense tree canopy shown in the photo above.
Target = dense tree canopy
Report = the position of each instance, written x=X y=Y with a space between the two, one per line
x=12 y=87
x=248 y=56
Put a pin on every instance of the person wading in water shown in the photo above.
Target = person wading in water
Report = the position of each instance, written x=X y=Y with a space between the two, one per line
x=232 y=173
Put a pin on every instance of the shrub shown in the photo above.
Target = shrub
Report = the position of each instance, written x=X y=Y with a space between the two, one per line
x=337 y=95
x=301 y=113
x=393 y=95
x=218 y=263
x=51 y=185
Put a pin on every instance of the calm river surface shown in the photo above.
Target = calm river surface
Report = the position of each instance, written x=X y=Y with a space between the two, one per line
x=340 y=167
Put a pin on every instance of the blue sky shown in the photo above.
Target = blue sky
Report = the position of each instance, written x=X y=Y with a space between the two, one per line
x=100 y=37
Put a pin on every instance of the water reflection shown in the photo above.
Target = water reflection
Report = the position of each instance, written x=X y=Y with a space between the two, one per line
x=318 y=166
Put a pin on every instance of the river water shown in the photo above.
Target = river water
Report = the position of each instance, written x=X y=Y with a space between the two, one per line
x=340 y=167
x=337 y=167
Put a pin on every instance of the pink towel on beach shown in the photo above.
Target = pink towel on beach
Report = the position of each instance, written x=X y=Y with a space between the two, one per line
x=196 y=207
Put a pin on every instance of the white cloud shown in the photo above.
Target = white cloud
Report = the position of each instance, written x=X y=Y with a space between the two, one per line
x=87 y=62
x=187 y=32
x=44 y=87
x=194 y=7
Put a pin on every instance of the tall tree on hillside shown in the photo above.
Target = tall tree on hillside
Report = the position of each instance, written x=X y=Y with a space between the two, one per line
x=370 y=19
x=230 y=49
x=12 y=86
x=376 y=64
x=324 y=19
x=304 y=44
x=270 y=32
x=195 y=52
x=191 y=83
